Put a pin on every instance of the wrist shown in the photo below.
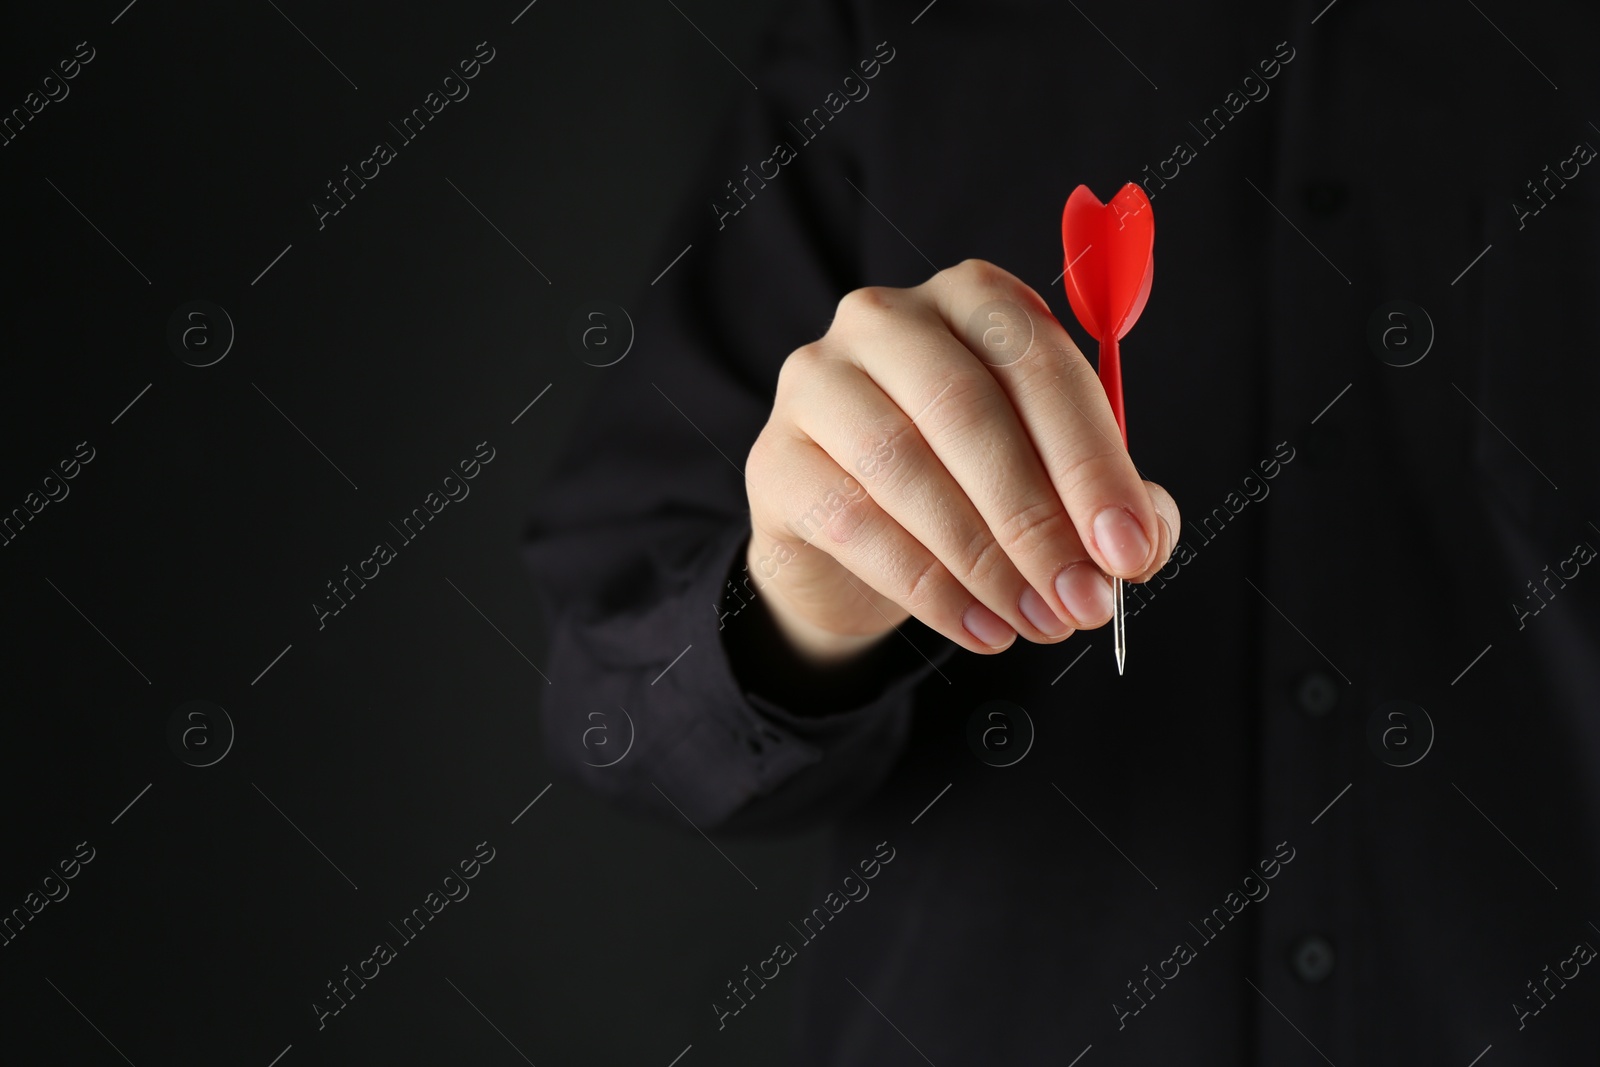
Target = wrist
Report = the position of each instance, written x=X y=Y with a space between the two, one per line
x=811 y=644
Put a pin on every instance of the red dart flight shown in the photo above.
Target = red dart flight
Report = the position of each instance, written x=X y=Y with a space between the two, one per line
x=1109 y=265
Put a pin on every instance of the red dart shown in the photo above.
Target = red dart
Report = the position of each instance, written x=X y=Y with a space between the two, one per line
x=1110 y=262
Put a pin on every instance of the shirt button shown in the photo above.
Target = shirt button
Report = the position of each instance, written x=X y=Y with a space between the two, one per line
x=1316 y=694
x=1326 y=199
x=1313 y=958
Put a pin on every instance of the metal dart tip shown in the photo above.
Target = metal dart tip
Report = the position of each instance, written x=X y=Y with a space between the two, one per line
x=1119 y=625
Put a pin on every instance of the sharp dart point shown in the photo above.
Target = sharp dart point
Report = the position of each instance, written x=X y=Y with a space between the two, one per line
x=1119 y=624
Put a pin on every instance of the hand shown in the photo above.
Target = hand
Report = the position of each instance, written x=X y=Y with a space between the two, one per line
x=946 y=452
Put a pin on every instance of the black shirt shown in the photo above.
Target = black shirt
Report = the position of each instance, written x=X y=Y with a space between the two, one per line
x=1343 y=807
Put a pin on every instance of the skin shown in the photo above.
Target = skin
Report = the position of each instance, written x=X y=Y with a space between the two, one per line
x=998 y=512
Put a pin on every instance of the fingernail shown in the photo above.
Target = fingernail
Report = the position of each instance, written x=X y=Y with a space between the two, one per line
x=1086 y=593
x=987 y=627
x=1036 y=611
x=1120 y=540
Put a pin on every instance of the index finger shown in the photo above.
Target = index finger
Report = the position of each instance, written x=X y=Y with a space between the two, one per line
x=1062 y=407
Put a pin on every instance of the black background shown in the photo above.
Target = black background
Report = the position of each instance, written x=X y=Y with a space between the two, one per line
x=189 y=551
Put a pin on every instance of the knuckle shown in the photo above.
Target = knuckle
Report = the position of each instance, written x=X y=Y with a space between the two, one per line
x=849 y=516
x=1032 y=526
x=865 y=305
x=1061 y=369
x=960 y=401
x=756 y=461
x=924 y=587
x=1078 y=472
x=800 y=364
x=871 y=451
x=891 y=460
x=809 y=379
x=980 y=273
x=980 y=558
x=1073 y=374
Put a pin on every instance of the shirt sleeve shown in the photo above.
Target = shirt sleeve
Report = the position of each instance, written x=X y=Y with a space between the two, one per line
x=638 y=537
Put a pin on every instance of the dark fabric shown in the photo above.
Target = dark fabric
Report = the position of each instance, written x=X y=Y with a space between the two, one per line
x=1393 y=541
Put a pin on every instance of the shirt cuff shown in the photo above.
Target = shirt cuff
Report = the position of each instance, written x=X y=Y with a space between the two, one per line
x=730 y=759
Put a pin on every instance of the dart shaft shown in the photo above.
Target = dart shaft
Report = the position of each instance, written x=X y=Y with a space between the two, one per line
x=1111 y=382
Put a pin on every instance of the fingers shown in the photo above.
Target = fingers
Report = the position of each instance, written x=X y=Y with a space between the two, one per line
x=1059 y=401
x=826 y=510
x=953 y=516
x=904 y=343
